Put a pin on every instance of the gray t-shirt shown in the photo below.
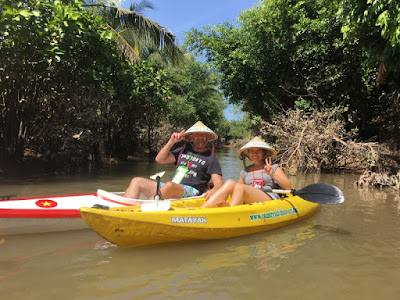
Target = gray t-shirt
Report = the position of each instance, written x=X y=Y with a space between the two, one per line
x=201 y=166
x=249 y=177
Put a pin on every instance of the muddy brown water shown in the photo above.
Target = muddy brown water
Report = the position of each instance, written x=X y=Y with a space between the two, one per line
x=347 y=251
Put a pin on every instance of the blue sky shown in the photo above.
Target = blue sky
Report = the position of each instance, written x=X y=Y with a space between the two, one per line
x=180 y=16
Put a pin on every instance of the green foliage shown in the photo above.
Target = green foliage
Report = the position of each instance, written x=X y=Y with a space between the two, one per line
x=371 y=160
x=374 y=27
x=239 y=129
x=284 y=53
x=291 y=54
x=137 y=36
x=139 y=103
x=66 y=95
x=43 y=53
x=195 y=96
x=374 y=24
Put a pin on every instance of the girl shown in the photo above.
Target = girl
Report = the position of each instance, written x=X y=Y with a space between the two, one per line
x=255 y=180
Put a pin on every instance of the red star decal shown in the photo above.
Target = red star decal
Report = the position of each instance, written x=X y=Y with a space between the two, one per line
x=45 y=203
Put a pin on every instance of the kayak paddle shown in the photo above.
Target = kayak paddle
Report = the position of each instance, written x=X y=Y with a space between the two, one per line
x=321 y=193
x=160 y=174
x=158 y=204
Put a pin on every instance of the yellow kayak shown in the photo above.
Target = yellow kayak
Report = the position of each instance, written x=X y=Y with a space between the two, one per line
x=186 y=220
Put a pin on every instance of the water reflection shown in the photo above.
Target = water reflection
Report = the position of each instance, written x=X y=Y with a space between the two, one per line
x=164 y=270
x=115 y=177
x=347 y=251
x=199 y=265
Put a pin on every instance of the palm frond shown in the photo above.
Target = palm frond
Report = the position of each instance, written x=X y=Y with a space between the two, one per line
x=151 y=30
x=131 y=53
x=141 y=6
x=149 y=33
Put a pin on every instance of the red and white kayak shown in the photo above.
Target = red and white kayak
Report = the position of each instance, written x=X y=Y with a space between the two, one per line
x=54 y=213
x=57 y=213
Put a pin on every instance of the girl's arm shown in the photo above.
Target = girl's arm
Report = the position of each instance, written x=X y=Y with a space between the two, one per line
x=280 y=178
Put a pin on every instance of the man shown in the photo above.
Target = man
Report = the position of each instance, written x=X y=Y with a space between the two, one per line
x=195 y=160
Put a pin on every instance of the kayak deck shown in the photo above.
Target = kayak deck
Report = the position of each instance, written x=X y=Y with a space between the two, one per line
x=129 y=226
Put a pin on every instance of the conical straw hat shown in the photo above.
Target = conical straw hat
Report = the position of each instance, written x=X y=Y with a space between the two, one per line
x=199 y=127
x=257 y=143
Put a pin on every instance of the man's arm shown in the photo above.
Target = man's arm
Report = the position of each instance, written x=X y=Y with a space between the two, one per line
x=217 y=181
x=165 y=156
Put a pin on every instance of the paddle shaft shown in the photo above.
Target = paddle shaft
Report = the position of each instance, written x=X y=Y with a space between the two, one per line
x=157 y=204
x=157 y=196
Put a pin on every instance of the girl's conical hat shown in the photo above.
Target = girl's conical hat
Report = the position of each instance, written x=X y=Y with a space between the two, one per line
x=199 y=127
x=257 y=143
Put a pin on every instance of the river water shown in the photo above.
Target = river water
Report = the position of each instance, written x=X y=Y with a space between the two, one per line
x=347 y=251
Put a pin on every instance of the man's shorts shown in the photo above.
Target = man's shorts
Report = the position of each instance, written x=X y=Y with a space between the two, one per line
x=188 y=191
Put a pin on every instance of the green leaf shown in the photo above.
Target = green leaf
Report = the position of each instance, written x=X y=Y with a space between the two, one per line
x=382 y=19
x=25 y=13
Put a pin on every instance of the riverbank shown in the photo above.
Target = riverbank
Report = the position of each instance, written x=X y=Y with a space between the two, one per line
x=384 y=170
x=14 y=168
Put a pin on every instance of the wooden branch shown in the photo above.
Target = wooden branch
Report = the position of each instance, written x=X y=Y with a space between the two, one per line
x=299 y=143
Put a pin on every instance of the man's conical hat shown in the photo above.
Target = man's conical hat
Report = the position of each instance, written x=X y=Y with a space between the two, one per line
x=199 y=127
x=257 y=143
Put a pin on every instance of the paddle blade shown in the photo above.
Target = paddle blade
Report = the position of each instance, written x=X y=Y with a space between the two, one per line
x=322 y=193
x=156 y=205
x=154 y=177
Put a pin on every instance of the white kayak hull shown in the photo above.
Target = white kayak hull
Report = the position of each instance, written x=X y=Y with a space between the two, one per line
x=56 y=213
x=48 y=214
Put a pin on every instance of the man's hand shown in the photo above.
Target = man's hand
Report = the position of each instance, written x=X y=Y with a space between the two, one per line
x=165 y=156
x=177 y=137
x=217 y=183
x=209 y=193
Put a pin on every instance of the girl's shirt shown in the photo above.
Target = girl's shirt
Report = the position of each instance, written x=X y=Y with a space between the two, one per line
x=261 y=180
